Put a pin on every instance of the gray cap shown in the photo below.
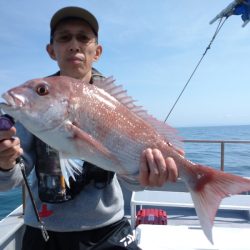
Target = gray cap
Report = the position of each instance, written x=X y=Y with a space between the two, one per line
x=74 y=12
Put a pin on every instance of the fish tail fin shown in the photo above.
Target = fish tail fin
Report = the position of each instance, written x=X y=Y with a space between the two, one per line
x=208 y=187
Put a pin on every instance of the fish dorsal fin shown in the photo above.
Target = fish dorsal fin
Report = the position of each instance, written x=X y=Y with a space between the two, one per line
x=118 y=92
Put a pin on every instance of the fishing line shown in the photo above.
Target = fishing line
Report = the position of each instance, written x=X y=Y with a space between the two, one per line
x=220 y=24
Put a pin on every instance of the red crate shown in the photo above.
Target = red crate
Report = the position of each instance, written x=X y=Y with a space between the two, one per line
x=151 y=216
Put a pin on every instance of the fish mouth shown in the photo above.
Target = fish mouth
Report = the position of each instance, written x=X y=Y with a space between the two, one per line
x=12 y=101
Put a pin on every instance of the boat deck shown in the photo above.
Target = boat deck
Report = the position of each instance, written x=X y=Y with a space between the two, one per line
x=171 y=237
x=231 y=225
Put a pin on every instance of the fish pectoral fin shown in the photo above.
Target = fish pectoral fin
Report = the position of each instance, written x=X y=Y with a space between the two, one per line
x=210 y=188
x=70 y=167
x=86 y=139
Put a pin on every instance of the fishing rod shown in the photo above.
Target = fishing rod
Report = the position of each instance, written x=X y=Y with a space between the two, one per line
x=237 y=7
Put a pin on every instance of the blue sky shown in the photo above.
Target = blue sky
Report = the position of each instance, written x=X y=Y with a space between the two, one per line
x=151 y=47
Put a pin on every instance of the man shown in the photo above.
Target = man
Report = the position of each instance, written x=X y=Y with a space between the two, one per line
x=89 y=214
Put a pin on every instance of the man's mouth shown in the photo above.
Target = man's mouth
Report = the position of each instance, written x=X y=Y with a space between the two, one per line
x=76 y=59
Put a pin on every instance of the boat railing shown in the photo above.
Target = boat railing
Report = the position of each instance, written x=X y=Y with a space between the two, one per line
x=222 y=147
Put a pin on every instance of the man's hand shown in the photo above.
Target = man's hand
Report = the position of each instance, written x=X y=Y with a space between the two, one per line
x=155 y=170
x=10 y=149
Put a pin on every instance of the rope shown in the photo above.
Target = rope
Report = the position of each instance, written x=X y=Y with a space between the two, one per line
x=198 y=64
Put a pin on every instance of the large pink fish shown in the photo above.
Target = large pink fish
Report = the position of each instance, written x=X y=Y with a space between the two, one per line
x=99 y=123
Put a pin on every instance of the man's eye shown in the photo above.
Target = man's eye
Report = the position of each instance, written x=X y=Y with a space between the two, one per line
x=63 y=38
x=83 y=38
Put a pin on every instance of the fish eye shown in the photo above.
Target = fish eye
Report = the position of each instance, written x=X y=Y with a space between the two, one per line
x=42 y=89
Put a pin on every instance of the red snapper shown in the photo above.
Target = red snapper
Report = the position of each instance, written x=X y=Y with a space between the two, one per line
x=99 y=123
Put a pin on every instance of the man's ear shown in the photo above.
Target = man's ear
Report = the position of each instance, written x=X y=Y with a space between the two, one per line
x=51 y=51
x=98 y=52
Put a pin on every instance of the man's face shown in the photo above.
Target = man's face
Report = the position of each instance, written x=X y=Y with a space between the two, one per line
x=74 y=48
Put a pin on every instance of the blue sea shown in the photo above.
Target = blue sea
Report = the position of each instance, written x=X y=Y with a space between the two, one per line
x=237 y=156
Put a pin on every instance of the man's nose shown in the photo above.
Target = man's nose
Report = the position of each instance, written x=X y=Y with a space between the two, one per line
x=74 y=45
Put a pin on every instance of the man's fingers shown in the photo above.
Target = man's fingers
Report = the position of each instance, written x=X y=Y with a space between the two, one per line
x=180 y=151
x=7 y=134
x=10 y=150
x=155 y=170
x=144 y=170
x=161 y=166
x=9 y=144
x=172 y=170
